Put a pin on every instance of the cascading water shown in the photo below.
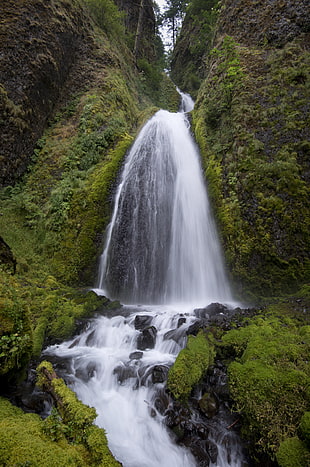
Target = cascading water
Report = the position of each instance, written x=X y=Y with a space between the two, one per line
x=162 y=251
x=161 y=245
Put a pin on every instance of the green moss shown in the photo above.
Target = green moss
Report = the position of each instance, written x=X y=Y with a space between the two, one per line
x=293 y=453
x=190 y=366
x=22 y=442
x=250 y=122
x=270 y=379
x=66 y=438
x=304 y=428
x=15 y=327
x=73 y=421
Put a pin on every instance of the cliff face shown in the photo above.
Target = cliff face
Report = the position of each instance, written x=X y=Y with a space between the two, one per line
x=252 y=122
x=40 y=41
x=47 y=54
x=273 y=22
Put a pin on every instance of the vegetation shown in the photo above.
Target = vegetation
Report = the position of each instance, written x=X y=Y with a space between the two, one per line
x=254 y=157
x=66 y=437
x=269 y=382
x=190 y=366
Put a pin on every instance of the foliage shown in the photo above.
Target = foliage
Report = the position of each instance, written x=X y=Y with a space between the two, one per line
x=270 y=380
x=107 y=16
x=190 y=366
x=15 y=328
x=23 y=442
x=293 y=453
x=66 y=437
x=193 y=44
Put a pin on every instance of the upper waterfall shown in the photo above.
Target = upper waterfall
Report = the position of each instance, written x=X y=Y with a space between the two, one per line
x=161 y=245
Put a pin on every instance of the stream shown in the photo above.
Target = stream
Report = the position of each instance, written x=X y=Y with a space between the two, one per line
x=163 y=261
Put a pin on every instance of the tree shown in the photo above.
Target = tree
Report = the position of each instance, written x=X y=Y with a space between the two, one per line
x=174 y=15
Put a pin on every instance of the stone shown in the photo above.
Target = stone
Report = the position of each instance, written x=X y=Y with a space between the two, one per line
x=147 y=338
x=159 y=374
x=208 y=405
x=136 y=355
x=142 y=321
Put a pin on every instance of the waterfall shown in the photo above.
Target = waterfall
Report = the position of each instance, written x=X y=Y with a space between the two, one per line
x=161 y=258
x=162 y=245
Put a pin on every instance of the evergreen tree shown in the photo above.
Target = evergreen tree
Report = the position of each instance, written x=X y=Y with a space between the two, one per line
x=173 y=15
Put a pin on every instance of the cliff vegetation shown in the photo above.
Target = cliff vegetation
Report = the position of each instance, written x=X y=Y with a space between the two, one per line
x=74 y=91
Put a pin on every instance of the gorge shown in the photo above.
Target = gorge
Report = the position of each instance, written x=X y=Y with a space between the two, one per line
x=163 y=350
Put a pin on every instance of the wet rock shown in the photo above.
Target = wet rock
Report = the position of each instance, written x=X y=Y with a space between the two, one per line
x=181 y=321
x=147 y=338
x=208 y=404
x=142 y=321
x=86 y=373
x=212 y=451
x=162 y=401
x=91 y=338
x=124 y=372
x=6 y=256
x=159 y=374
x=210 y=311
x=194 y=328
x=175 y=334
x=136 y=355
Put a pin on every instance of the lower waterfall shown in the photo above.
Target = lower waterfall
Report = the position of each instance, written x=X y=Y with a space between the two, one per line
x=161 y=259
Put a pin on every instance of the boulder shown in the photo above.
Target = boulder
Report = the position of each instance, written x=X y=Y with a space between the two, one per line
x=147 y=338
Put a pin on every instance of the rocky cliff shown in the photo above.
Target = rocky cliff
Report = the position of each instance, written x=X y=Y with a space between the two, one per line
x=252 y=122
x=40 y=43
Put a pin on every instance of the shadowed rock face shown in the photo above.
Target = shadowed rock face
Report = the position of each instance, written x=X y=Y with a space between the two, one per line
x=273 y=22
x=40 y=41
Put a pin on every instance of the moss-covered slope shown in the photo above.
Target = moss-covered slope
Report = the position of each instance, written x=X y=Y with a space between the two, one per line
x=251 y=120
x=54 y=218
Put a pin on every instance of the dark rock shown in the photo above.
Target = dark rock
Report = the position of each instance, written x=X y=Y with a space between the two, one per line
x=147 y=338
x=181 y=321
x=86 y=373
x=142 y=321
x=136 y=355
x=208 y=404
x=90 y=338
x=159 y=374
x=210 y=311
x=161 y=402
x=124 y=372
x=175 y=334
x=6 y=256
x=212 y=451
x=194 y=328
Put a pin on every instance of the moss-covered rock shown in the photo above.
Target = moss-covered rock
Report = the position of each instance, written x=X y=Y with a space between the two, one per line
x=269 y=379
x=190 y=366
x=66 y=437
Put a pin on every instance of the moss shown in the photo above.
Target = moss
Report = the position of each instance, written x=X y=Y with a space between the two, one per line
x=190 y=366
x=73 y=420
x=304 y=428
x=269 y=380
x=22 y=441
x=15 y=328
x=293 y=453
x=25 y=439
x=250 y=121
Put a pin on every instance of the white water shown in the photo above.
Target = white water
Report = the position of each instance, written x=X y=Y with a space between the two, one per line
x=162 y=250
x=161 y=244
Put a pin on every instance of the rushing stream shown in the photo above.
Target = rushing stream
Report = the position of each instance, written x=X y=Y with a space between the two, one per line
x=162 y=260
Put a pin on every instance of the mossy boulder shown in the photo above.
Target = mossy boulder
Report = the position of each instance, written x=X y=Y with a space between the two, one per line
x=269 y=380
x=190 y=366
